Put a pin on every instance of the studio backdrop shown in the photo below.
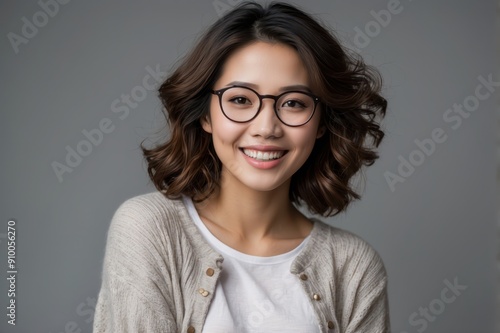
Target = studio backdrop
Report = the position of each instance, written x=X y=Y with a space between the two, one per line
x=78 y=95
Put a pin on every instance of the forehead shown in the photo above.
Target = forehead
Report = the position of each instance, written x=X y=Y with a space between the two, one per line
x=269 y=66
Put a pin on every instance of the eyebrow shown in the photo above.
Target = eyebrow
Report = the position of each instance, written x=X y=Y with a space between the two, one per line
x=282 y=89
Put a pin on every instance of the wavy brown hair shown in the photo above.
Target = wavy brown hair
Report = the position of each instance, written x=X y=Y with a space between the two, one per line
x=348 y=90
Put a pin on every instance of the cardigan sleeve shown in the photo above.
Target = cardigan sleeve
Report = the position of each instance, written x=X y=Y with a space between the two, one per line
x=369 y=299
x=132 y=297
x=122 y=308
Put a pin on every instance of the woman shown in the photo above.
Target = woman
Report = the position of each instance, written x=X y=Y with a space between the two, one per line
x=267 y=112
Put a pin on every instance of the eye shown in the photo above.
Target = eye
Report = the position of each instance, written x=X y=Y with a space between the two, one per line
x=293 y=104
x=240 y=100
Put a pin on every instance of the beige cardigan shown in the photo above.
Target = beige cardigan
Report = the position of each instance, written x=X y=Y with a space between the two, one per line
x=159 y=274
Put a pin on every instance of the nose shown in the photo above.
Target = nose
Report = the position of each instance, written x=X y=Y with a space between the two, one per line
x=266 y=124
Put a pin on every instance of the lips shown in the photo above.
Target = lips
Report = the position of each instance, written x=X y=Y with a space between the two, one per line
x=264 y=155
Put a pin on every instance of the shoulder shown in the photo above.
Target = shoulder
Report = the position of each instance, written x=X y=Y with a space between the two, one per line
x=350 y=269
x=149 y=210
x=146 y=223
x=140 y=246
x=142 y=231
x=346 y=249
x=150 y=233
x=153 y=203
x=341 y=240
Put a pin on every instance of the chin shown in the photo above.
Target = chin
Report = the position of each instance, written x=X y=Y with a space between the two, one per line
x=261 y=184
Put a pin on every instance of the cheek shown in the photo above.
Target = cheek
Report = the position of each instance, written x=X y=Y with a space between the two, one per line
x=307 y=141
x=224 y=131
x=309 y=134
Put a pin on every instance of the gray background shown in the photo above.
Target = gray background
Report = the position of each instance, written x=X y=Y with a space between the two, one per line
x=437 y=225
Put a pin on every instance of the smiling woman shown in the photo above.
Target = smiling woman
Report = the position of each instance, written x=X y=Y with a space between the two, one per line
x=266 y=113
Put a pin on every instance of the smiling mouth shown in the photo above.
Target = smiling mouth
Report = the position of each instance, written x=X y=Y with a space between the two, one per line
x=264 y=155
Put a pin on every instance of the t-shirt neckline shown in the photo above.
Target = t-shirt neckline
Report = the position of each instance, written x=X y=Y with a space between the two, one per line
x=229 y=251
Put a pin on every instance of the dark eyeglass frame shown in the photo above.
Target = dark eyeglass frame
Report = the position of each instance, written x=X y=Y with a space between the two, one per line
x=220 y=92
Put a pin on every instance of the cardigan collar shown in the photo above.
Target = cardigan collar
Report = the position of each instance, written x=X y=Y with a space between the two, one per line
x=202 y=248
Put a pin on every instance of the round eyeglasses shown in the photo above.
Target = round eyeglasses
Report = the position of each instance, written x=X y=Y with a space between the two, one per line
x=242 y=104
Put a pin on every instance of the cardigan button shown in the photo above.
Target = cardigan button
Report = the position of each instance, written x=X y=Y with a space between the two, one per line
x=203 y=292
x=331 y=325
x=316 y=297
x=303 y=277
x=191 y=329
x=210 y=272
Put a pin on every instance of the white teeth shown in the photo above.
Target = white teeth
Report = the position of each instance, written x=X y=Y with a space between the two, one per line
x=263 y=156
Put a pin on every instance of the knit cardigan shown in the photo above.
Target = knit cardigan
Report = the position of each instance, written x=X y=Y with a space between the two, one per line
x=159 y=274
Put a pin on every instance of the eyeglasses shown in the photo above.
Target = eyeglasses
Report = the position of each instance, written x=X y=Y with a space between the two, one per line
x=242 y=104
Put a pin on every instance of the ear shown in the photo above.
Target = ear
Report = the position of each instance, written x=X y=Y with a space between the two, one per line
x=321 y=132
x=206 y=124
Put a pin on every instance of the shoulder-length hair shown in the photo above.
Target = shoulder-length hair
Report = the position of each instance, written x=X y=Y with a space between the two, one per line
x=186 y=164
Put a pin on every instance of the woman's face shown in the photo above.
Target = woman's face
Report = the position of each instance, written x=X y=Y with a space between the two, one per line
x=264 y=153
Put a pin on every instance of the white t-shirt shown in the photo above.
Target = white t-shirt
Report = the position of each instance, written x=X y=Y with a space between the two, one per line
x=256 y=294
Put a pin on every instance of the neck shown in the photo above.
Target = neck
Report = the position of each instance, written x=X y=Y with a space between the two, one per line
x=252 y=215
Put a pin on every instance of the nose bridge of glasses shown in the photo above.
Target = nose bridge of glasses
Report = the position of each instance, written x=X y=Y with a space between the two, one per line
x=271 y=97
